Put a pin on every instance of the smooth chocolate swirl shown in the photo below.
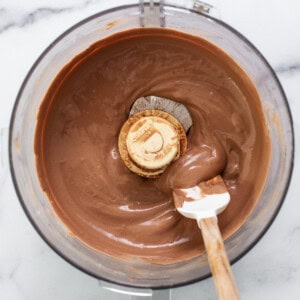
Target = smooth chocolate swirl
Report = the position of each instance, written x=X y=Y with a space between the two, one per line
x=93 y=192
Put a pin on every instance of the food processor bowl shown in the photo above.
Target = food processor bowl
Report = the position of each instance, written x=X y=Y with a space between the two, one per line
x=134 y=272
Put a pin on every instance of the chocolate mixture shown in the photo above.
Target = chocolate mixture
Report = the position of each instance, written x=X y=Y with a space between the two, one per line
x=93 y=192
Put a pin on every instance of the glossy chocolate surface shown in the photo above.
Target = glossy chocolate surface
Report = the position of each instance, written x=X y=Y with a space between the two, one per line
x=92 y=191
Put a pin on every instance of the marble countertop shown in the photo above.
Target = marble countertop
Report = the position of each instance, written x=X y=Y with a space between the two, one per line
x=29 y=269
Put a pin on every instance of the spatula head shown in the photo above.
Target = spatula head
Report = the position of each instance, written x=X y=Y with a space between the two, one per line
x=205 y=200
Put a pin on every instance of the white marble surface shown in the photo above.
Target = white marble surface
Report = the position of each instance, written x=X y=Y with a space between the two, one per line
x=29 y=269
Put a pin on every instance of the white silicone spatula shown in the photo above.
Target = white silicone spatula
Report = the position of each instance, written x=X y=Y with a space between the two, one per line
x=203 y=203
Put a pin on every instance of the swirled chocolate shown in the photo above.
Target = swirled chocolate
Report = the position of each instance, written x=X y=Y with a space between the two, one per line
x=92 y=191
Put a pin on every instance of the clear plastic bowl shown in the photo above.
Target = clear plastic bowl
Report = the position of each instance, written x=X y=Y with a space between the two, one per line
x=22 y=158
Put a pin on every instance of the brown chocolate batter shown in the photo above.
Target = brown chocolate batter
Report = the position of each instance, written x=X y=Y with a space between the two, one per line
x=93 y=192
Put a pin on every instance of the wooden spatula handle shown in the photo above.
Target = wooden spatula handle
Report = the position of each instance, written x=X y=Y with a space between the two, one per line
x=218 y=260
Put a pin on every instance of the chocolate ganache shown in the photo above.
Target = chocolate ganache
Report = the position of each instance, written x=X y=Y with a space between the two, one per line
x=95 y=195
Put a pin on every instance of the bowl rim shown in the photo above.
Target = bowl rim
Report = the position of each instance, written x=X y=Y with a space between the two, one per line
x=14 y=176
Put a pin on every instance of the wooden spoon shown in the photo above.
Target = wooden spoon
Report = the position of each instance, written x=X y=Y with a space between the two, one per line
x=203 y=203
